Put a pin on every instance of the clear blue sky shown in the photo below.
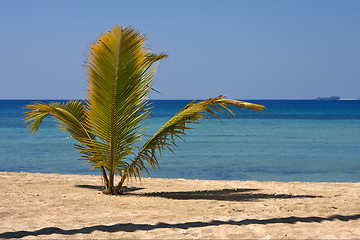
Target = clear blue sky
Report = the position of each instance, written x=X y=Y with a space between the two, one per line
x=241 y=49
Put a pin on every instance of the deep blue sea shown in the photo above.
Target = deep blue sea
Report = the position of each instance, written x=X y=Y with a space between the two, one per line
x=293 y=140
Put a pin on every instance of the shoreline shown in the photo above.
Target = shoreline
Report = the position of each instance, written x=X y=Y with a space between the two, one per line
x=53 y=206
x=178 y=178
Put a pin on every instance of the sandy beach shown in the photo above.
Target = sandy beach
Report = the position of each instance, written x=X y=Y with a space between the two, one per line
x=55 y=206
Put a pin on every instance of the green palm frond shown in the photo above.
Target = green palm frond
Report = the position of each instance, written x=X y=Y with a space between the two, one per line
x=175 y=129
x=70 y=116
x=120 y=72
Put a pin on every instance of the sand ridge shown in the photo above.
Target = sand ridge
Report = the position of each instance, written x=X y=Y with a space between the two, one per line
x=56 y=206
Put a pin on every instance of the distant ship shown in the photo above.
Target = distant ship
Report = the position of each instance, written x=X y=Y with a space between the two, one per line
x=328 y=98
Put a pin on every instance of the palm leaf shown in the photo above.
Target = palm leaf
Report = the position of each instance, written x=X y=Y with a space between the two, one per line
x=175 y=129
x=120 y=71
x=70 y=116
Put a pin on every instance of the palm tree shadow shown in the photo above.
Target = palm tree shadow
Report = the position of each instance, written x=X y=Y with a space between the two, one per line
x=130 y=227
x=100 y=188
x=240 y=194
x=244 y=194
x=94 y=187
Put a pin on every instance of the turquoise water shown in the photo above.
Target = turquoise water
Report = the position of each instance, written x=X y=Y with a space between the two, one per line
x=292 y=140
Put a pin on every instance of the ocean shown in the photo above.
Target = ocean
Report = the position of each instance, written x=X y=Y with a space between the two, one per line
x=293 y=140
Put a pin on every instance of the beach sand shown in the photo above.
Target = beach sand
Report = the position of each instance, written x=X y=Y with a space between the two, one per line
x=56 y=206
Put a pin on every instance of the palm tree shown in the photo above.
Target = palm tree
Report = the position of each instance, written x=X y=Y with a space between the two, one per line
x=108 y=125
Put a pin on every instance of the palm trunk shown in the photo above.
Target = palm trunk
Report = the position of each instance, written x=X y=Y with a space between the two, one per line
x=118 y=187
x=111 y=182
x=105 y=178
x=109 y=188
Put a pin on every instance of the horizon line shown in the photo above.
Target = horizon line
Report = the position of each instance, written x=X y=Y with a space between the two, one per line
x=184 y=99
